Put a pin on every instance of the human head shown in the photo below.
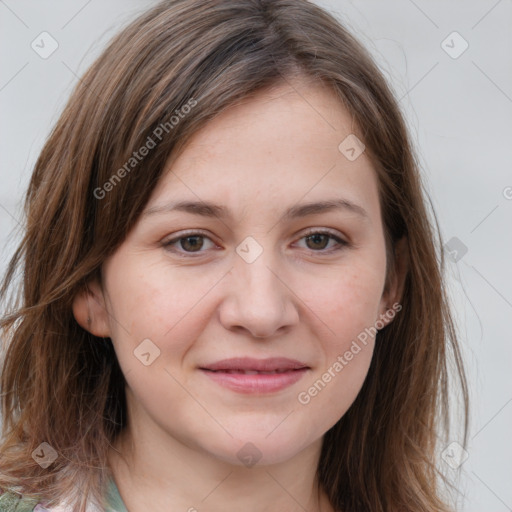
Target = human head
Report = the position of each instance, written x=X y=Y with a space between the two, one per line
x=149 y=71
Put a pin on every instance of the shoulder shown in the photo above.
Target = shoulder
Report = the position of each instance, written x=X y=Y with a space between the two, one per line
x=13 y=502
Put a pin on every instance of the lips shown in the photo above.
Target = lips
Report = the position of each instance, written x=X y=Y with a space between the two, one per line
x=256 y=376
x=249 y=372
x=250 y=366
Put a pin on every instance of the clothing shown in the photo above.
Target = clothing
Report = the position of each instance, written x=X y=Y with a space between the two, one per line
x=13 y=502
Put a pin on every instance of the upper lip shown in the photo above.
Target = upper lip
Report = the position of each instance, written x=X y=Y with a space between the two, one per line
x=250 y=363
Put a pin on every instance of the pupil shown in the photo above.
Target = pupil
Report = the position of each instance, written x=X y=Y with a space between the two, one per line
x=193 y=245
x=317 y=238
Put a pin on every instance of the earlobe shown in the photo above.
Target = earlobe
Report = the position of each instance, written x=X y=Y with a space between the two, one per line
x=90 y=312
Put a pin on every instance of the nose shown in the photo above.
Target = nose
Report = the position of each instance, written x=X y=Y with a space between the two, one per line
x=258 y=299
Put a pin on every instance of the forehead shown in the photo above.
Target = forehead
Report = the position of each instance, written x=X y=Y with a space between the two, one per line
x=280 y=146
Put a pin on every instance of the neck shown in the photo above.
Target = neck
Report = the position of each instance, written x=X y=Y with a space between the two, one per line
x=160 y=470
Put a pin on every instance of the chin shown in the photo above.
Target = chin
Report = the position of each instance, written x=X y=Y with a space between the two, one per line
x=257 y=450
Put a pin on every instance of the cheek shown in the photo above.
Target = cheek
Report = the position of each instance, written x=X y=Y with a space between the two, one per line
x=155 y=304
x=348 y=306
x=346 y=301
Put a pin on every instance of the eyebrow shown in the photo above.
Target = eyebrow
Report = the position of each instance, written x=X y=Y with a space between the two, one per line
x=209 y=209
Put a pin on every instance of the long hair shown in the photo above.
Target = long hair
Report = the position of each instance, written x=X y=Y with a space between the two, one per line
x=63 y=386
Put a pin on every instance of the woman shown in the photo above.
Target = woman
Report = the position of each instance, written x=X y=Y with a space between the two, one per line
x=231 y=291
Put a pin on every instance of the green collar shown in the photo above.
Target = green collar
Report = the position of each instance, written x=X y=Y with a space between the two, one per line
x=114 y=501
x=13 y=502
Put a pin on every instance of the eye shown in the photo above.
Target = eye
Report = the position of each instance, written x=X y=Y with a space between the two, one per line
x=191 y=242
x=318 y=240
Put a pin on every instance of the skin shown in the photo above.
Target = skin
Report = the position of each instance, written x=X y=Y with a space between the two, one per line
x=300 y=299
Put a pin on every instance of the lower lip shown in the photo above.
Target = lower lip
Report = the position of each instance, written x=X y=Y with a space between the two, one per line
x=256 y=383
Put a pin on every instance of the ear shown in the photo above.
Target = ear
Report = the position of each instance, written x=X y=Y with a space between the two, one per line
x=393 y=291
x=90 y=311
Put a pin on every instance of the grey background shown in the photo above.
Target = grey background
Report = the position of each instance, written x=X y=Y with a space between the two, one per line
x=459 y=113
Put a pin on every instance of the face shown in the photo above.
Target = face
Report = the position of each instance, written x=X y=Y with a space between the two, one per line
x=251 y=272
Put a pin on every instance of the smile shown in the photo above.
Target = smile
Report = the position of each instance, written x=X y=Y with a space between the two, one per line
x=255 y=382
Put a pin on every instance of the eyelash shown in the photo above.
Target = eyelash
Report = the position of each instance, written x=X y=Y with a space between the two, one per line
x=341 y=243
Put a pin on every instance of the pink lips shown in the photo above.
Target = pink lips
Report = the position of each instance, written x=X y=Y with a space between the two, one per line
x=249 y=375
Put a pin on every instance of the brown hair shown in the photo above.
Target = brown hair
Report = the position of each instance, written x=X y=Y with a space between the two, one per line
x=63 y=386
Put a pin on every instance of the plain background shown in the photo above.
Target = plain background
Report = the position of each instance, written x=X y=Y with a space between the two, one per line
x=459 y=111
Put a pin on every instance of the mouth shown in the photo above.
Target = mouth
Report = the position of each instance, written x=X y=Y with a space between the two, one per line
x=250 y=364
x=253 y=372
x=249 y=375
